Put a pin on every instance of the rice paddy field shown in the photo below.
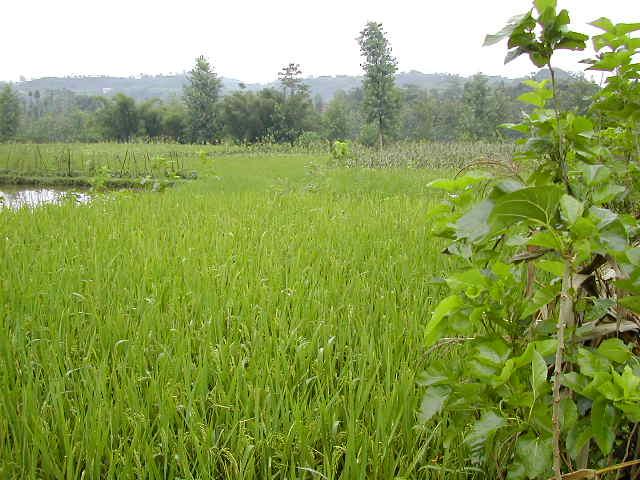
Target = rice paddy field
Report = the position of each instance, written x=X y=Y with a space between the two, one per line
x=263 y=321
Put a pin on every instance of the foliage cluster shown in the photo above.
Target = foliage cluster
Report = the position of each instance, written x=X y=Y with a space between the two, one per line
x=547 y=300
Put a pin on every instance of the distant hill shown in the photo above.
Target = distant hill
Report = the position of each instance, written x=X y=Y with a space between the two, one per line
x=168 y=86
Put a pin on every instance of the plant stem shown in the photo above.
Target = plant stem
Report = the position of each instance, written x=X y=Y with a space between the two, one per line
x=565 y=318
x=562 y=160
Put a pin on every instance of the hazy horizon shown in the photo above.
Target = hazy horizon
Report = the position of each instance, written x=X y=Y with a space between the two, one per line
x=251 y=41
x=273 y=80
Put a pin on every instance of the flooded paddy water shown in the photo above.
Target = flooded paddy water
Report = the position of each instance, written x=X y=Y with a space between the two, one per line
x=19 y=196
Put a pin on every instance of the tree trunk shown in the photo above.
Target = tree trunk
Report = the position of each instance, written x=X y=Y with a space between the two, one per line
x=380 y=141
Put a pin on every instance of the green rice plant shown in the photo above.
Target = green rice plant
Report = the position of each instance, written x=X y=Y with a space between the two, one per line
x=159 y=160
x=431 y=154
x=222 y=329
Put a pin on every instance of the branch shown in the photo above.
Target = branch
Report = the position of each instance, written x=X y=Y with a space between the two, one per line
x=565 y=319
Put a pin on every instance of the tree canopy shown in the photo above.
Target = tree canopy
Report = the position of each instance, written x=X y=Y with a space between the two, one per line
x=381 y=102
x=201 y=97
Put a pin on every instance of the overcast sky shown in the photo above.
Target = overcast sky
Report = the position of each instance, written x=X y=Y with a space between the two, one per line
x=252 y=39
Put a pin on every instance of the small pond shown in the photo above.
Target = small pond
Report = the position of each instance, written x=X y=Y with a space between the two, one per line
x=19 y=196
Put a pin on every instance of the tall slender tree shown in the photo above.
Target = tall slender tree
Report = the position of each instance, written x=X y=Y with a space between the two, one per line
x=9 y=113
x=201 y=96
x=381 y=100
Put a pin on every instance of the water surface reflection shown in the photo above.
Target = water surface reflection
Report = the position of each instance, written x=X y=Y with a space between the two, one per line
x=18 y=197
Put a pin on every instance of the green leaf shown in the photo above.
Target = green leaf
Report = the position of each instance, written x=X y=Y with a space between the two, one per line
x=603 y=423
x=508 y=185
x=476 y=368
x=624 y=28
x=630 y=285
x=458 y=183
x=633 y=255
x=516 y=471
x=542 y=5
x=537 y=205
x=517 y=127
x=545 y=239
x=581 y=125
x=541 y=297
x=468 y=394
x=629 y=383
x=631 y=410
x=539 y=60
x=445 y=308
x=551 y=266
x=614 y=236
x=609 y=61
x=539 y=416
x=513 y=54
x=632 y=303
x=563 y=18
x=610 y=391
x=601 y=41
x=633 y=43
x=543 y=347
x=607 y=193
x=482 y=430
x=494 y=352
x=536 y=98
x=593 y=389
x=591 y=363
x=568 y=44
x=577 y=438
x=532 y=98
x=432 y=376
x=584 y=228
x=507 y=30
x=603 y=23
x=474 y=225
x=570 y=209
x=568 y=414
x=538 y=373
x=433 y=401
x=463 y=281
x=599 y=309
x=573 y=41
x=575 y=381
x=535 y=85
x=615 y=350
x=594 y=174
x=582 y=248
x=535 y=455
x=603 y=216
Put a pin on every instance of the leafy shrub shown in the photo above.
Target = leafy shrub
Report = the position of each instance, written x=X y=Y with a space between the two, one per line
x=547 y=304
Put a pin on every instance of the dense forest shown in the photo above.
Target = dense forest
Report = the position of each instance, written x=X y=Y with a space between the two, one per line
x=435 y=107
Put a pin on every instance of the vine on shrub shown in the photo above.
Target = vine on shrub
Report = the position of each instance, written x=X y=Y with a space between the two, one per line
x=546 y=309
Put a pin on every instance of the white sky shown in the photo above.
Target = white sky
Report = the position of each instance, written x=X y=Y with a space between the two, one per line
x=252 y=39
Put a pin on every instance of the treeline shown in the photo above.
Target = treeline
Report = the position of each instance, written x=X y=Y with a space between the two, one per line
x=470 y=109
